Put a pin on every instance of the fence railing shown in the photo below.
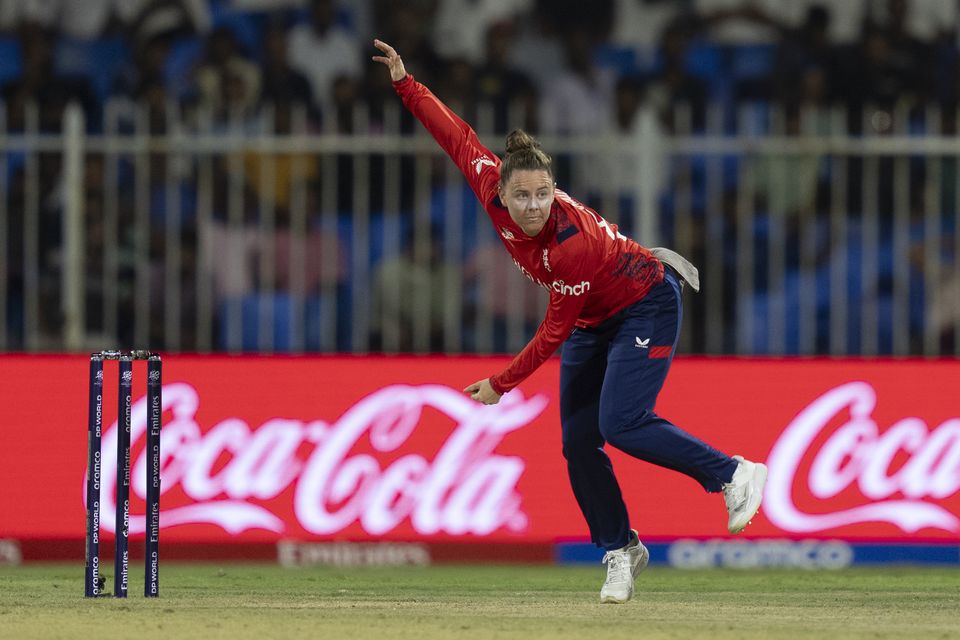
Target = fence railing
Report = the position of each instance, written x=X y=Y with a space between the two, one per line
x=174 y=231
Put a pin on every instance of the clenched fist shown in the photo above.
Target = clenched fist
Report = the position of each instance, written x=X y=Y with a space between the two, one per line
x=481 y=391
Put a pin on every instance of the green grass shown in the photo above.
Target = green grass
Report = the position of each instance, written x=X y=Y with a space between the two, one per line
x=260 y=601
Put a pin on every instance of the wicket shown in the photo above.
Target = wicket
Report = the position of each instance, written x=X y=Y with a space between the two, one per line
x=151 y=584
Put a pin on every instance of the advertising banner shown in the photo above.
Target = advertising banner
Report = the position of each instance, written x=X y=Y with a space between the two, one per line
x=307 y=449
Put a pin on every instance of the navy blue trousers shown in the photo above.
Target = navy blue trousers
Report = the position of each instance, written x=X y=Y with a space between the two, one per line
x=609 y=380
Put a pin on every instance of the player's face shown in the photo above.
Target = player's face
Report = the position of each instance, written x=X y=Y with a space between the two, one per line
x=528 y=197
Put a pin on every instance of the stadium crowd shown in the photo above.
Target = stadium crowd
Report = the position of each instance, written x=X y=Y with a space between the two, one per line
x=577 y=65
x=554 y=67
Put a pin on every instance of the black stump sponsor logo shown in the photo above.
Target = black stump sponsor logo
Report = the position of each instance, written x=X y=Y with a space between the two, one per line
x=154 y=572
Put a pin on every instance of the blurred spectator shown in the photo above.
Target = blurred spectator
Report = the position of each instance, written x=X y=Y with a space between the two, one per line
x=83 y=19
x=407 y=25
x=948 y=198
x=902 y=54
x=494 y=288
x=14 y=13
x=735 y=22
x=277 y=175
x=227 y=82
x=457 y=87
x=95 y=239
x=887 y=71
x=807 y=49
x=265 y=5
x=786 y=185
x=346 y=97
x=350 y=115
x=87 y=19
x=401 y=284
x=461 y=27
x=628 y=98
x=39 y=84
x=943 y=307
x=499 y=84
x=594 y=19
x=921 y=20
x=630 y=120
x=152 y=96
x=638 y=24
x=579 y=97
x=798 y=50
x=229 y=240
x=184 y=274
x=147 y=19
x=316 y=272
x=146 y=66
x=354 y=15
x=281 y=83
x=576 y=102
x=536 y=47
x=321 y=50
x=672 y=85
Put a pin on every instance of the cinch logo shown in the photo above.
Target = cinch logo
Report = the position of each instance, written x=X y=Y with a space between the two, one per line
x=570 y=290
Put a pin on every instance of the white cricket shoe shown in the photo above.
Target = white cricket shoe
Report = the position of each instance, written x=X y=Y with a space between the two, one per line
x=743 y=493
x=623 y=565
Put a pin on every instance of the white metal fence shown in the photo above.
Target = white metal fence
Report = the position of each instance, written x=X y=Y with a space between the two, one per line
x=172 y=231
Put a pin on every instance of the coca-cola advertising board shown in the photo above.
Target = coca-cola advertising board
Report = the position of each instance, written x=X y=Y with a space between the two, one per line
x=269 y=449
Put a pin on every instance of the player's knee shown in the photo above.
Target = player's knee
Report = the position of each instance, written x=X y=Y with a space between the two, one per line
x=615 y=425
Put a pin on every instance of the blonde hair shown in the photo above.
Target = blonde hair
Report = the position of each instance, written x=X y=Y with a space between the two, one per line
x=523 y=153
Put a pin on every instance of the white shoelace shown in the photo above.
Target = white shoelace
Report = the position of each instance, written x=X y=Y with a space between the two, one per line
x=618 y=566
x=735 y=497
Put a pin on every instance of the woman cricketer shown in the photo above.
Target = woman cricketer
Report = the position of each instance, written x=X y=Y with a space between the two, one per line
x=615 y=308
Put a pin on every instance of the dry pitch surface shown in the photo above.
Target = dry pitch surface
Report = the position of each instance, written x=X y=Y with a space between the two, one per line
x=257 y=601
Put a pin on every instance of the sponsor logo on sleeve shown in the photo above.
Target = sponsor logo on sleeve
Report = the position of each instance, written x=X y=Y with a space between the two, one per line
x=481 y=161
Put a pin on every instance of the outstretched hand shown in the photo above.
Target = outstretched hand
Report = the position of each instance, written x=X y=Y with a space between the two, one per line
x=391 y=59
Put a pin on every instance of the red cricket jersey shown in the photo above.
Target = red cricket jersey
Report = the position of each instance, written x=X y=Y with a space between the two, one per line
x=590 y=269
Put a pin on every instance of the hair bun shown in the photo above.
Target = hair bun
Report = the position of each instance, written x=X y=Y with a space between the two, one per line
x=518 y=140
x=523 y=154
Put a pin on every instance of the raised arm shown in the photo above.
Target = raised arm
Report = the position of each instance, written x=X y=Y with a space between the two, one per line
x=479 y=165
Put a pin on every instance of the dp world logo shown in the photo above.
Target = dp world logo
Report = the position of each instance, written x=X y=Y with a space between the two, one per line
x=154 y=376
x=127 y=377
x=100 y=376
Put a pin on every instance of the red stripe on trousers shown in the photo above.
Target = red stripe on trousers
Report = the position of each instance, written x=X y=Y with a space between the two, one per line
x=659 y=352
